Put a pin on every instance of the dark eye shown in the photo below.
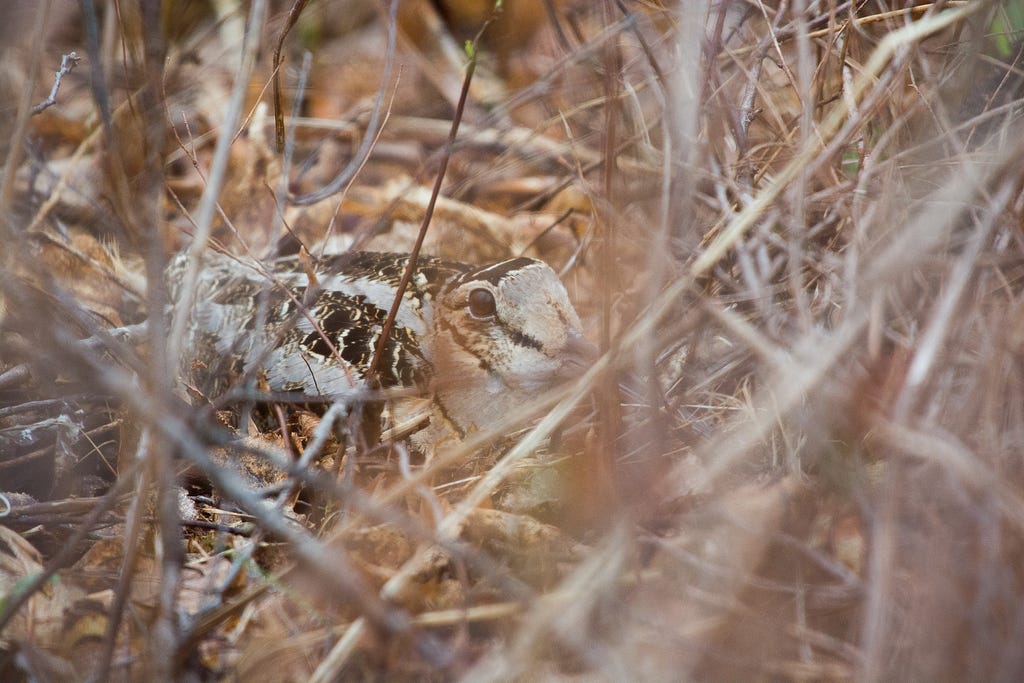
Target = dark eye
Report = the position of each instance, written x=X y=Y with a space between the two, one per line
x=481 y=303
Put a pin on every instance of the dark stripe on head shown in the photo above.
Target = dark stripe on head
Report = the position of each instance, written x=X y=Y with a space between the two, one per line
x=464 y=343
x=496 y=273
x=521 y=338
x=443 y=409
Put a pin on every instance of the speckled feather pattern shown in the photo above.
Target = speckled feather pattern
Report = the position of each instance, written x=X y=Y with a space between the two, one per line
x=315 y=342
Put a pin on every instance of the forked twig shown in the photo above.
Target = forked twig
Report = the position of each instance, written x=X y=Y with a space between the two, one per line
x=67 y=64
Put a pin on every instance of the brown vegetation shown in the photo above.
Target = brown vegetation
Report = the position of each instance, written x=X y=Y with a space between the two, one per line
x=794 y=229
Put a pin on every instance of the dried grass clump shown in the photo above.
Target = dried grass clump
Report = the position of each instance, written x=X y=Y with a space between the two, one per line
x=793 y=228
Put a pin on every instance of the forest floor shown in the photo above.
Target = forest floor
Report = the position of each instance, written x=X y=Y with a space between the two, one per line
x=793 y=229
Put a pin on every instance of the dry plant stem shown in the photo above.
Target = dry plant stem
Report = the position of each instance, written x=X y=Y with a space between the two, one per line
x=68 y=63
x=17 y=151
x=527 y=142
x=608 y=398
x=946 y=450
x=746 y=219
x=414 y=253
x=370 y=507
x=565 y=614
x=542 y=198
x=746 y=115
x=164 y=643
x=815 y=355
x=97 y=79
x=875 y=625
x=644 y=45
x=130 y=553
x=288 y=153
x=508 y=425
x=712 y=74
x=372 y=128
x=451 y=525
x=477 y=613
x=335 y=661
x=163 y=647
x=14 y=602
x=939 y=290
x=993 y=113
x=1012 y=70
x=210 y=620
x=783 y=64
x=364 y=234
x=365 y=506
x=567 y=401
x=938 y=328
x=36 y=405
x=329 y=567
x=48 y=450
x=862 y=21
x=442 y=66
x=969 y=467
x=16 y=376
x=20 y=374
x=678 y=128
x=293 y=16
x=737 y=326
x=797 y=224
x=563 y=41
x=545 y=83
x=207 y=205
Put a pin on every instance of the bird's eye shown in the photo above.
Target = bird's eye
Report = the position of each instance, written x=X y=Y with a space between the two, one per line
x=481 y=303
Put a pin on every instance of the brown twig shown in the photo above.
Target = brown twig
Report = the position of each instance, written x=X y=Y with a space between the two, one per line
x=389 y=322
x=293 y=16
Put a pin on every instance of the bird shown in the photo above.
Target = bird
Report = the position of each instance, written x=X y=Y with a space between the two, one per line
x=474 y=343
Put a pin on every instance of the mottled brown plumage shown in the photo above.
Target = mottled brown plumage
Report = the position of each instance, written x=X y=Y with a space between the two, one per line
x=478 y=342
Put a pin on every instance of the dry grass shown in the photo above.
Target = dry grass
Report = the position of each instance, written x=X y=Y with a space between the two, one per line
x=794 y=228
